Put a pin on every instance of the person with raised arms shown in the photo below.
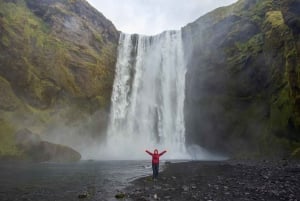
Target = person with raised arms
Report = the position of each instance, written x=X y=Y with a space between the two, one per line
x=155 y=162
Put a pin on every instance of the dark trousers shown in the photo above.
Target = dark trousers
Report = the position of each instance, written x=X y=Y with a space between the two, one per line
x=155 y=168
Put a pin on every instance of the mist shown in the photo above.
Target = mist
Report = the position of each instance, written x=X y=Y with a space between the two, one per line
x=84 y=135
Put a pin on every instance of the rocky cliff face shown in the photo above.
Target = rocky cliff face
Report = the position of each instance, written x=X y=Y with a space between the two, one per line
x=243 y=78
x=57 y=61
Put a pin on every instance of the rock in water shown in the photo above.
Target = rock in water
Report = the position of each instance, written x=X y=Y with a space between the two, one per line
x=40 y=151
x=120 y=195
x=83 y=195
x=58 y=153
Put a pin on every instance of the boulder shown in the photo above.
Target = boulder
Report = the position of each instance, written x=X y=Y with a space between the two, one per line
x=36 y=150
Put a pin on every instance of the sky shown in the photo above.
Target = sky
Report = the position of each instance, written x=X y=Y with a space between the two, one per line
x=150 y=17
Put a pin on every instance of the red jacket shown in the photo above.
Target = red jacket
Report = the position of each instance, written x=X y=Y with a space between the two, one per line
x=155 y=156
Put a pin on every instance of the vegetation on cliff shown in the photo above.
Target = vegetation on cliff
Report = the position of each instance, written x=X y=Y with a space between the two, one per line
x=57 y=62
x=243 y=78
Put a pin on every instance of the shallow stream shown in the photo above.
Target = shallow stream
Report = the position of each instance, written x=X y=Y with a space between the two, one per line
x=65 y=182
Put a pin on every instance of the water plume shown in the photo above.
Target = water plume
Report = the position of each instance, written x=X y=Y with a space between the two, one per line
x=148 y=97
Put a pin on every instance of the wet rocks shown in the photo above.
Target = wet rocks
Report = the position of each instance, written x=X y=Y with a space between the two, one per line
x=222 y=181
x=120 y=195
x=83 y=195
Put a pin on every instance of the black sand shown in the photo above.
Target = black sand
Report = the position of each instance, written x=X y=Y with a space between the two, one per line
x=221 y=181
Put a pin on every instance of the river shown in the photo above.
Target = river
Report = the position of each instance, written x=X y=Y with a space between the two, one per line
x=65 y=182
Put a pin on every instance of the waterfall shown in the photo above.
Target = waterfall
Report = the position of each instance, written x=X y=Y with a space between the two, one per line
x=148 y=97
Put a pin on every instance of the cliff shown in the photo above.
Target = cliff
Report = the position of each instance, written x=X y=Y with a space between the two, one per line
x=57 y=61
x=242 y=95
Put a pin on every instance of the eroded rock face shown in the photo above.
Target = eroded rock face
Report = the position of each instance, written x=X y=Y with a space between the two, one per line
x=26 y=139
x=242 y=87
x=57 y=64
x=61 y=49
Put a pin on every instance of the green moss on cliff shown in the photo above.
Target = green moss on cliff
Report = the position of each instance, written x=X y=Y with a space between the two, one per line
x=257 y=113
x=8 y=148
x=281 y=110
x=48 y=67
x=275 y=18
x=242 y=52
x=28 y=38
x=8 y=100
x=50 y=64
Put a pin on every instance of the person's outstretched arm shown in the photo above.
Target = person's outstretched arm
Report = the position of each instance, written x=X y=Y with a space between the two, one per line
x=149 y=152
x=162 y=152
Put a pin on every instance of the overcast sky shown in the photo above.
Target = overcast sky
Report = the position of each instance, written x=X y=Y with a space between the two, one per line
x=154 y=16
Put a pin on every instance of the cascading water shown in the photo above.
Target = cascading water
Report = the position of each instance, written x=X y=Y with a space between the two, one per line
x=148 y=97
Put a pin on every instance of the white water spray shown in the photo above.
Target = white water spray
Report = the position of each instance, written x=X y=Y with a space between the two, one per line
x=148 y=97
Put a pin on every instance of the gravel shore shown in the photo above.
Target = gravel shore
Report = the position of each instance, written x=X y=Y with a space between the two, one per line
x=221 y=181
